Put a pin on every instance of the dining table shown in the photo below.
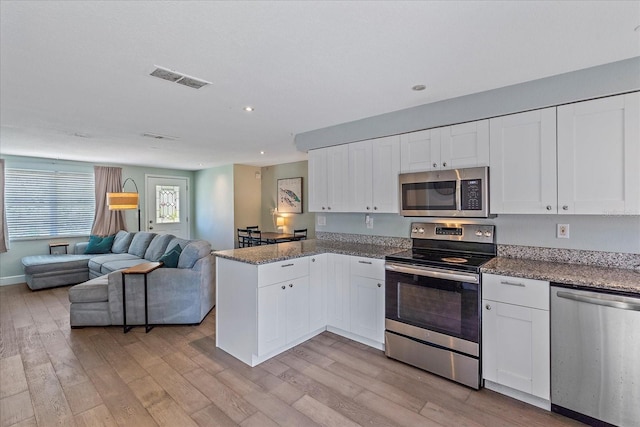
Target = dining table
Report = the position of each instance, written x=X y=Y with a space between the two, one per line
x=270 y=237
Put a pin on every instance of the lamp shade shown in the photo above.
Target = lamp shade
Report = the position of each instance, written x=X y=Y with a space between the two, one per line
x=280 y=221
x=122 y=201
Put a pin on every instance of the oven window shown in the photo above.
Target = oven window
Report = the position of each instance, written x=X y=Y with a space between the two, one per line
x=437 y=308
x=439 y=195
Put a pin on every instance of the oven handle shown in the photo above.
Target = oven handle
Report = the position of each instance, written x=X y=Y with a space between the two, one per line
x=433 y=272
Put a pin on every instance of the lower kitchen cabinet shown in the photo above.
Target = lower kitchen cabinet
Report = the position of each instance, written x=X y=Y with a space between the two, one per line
x=515 y=338
x=367 y=298
x=338 y=294
x=283 y=314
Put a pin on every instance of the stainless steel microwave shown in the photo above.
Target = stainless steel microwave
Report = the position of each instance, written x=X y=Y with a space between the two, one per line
x=445 y=193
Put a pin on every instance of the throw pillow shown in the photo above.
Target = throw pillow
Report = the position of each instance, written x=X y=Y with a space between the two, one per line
x=99 y=245
x=170 y=259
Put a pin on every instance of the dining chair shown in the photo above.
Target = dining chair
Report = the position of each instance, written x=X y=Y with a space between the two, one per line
x=253 y=227
x=255 y=237
x=300 y=234
x=244 y=236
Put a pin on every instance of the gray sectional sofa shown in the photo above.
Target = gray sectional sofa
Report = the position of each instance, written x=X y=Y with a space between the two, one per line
x=181 y=295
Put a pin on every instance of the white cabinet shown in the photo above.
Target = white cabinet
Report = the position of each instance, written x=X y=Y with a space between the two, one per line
x=599 y=156
x=283 y=314
x=338 y=294
x=367 y=298
x=523 y=163
x=328 y=174
x=449 y=147
x=317 y=292
x=515 y=337
x=373 y=175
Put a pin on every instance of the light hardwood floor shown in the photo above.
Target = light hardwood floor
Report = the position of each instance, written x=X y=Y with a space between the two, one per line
x=175 y=376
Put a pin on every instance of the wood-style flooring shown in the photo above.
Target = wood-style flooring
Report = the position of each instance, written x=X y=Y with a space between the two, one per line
x=175 y=376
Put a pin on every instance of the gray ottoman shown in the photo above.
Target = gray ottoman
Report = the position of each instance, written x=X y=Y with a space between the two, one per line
x=90 y=303
x=47 y=271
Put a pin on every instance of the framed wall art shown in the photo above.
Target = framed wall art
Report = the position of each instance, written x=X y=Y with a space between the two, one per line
x=290 y=195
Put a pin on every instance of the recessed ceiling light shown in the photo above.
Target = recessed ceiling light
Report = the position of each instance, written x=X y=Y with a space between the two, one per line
x=262 y=152
x=248 y=108
x=419 y=87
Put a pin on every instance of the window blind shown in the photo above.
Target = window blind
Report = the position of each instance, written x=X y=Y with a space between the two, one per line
x=48 y=203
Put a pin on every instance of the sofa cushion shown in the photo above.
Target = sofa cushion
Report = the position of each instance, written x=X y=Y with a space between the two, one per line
x=99 y=245
x=35 y=264
x=94 y=290
x=177 y=241
x=121 y=242
x=170 y=259
x=140 y=243
x=95 y=263
x=193 y=252
x=157 y=247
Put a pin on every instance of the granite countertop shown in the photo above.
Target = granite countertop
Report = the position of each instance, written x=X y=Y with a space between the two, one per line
x=282 y=251
x=585 y=276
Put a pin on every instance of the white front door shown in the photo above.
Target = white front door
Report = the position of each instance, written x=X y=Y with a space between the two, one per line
x=167 y=205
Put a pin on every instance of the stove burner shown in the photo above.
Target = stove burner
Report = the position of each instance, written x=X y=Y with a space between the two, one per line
x=454 y=260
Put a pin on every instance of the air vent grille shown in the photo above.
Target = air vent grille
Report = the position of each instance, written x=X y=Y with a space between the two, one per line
x=183 y=79
x=158 y=136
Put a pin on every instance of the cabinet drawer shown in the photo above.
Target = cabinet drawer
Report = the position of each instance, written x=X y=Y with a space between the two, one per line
x=516 y=290
x=282 y=270
x=367 y=267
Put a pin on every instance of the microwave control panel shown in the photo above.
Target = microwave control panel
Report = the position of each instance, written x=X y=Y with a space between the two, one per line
x=471 y=195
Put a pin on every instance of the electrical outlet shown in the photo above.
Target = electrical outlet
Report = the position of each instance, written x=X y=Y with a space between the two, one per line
x=562 y=231
x=368 y=219
x=322 y=220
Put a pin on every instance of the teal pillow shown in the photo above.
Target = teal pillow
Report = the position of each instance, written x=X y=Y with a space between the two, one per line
x=170 y=259
x=99 y=245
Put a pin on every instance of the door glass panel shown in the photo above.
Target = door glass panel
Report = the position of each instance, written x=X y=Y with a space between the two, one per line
x=167 y=204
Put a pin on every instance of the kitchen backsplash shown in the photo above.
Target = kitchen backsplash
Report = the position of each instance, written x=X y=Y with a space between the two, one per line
x=365 y=239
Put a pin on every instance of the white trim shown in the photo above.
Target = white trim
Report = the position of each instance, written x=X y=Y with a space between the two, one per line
x=145 y=222
x=12 y=280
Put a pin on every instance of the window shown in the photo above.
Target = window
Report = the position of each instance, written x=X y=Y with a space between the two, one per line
x=48 y=203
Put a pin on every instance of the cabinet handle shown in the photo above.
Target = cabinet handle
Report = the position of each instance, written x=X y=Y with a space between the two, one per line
x=565 y=208
x=444 y=164
x=488 y=307
x=286 y=265
x=323 y=208
x=375 y=208
x=368 y=208
x=435 y=165
x=329 y=208
x=365 y=262
x=548 y=207
x=506 y=282
x=313 y=260
x=291 y=285
x=379 y=285
x=284 y=287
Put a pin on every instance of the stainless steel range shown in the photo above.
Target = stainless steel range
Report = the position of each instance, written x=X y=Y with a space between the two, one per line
x=433 y=298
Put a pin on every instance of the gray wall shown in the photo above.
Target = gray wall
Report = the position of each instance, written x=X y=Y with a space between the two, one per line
x=616 y=77
x=270 y=176
x=10 y=265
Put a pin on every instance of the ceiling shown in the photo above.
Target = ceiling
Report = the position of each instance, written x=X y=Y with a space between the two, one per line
x=75 y=78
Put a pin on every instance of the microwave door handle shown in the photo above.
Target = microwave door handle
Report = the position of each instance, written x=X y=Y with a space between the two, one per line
x=433 y=272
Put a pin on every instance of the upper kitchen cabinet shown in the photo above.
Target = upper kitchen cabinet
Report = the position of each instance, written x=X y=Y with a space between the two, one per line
x=449 y=147
x=328 y=173
x=373 y=175
x=523 y=163
x=599 y=156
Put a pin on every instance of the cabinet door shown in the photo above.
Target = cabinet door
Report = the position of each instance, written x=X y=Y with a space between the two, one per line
x=385 y=169
x=523 y=163
x=465 y=145
x=318 y=180
x=420 y=151
x=360 y=175
x=367 y=308
x=297 y=307
x=317 y=292
x=338 y=293
x=337 y=176
x=272 y=313
x=598 y=156
x=515 y=348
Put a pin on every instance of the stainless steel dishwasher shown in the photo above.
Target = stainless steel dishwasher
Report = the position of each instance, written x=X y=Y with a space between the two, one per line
x=595 y=356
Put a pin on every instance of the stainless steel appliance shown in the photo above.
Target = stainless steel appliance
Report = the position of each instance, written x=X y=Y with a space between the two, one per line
x=595 y=356
x=445 y=193
x=432 y=299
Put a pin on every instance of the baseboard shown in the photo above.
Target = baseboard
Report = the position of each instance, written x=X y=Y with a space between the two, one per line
x=12 y=280
x=517 y=394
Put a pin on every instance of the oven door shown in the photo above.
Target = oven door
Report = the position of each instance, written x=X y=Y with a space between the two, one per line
x=437 y=306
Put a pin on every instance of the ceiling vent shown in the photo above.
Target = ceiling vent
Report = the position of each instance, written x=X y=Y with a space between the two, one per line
x=183 y=79
x=158 y=136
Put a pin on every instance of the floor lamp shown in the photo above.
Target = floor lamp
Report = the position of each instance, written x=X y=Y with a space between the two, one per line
x=124 y=201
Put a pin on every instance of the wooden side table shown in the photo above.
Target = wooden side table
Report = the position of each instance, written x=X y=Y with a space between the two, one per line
x=65 y=245
x=144 y=269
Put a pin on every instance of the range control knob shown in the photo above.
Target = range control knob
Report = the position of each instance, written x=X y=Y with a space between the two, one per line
x=421 y=230
x=487 y=234
x=479 y=233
